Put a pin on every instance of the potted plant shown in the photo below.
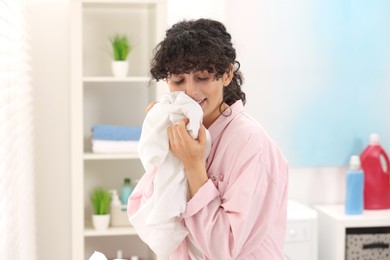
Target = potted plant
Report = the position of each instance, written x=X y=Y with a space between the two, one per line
x=121 y=48
x=100 y=199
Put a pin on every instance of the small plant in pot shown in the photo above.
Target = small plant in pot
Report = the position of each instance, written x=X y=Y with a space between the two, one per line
x=121 y=48
x=100 y=199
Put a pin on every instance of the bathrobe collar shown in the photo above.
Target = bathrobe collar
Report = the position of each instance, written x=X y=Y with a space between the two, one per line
x=224 y=119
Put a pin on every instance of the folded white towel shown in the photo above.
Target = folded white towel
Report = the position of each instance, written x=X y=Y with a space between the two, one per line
x=158 y=221
x=104 y=146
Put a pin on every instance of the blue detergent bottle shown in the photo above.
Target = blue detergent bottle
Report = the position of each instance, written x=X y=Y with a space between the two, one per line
x=354 y=189
x=126 y=191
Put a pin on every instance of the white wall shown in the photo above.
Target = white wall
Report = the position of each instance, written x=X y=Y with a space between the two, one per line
x=49 y=22
x=311 y=68
x=191 y=9
x=51 y=79
x=317 y=185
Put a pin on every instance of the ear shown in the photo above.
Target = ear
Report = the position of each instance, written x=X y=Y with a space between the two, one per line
x=228 y=76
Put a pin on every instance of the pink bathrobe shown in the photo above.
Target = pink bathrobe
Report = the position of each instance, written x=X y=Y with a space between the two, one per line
x=240 y=212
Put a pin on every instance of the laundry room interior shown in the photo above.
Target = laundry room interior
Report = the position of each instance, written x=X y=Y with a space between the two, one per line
x=316 y=77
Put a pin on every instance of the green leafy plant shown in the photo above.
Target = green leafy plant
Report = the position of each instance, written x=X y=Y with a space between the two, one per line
x=100 y=199
x=121 y=47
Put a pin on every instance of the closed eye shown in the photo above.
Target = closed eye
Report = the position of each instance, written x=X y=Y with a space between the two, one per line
x=178 y=82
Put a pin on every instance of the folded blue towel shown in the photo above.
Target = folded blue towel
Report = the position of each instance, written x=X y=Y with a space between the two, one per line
x=112 y=132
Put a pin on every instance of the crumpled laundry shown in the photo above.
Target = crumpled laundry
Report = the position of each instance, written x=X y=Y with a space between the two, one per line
x=158 y=221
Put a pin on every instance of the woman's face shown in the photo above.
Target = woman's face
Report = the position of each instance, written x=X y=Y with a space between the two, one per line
x=202 y=87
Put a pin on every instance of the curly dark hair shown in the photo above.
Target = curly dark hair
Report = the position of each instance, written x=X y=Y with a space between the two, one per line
x=199 y=45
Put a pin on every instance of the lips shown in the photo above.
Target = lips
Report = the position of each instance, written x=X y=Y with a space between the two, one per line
x=200 y=102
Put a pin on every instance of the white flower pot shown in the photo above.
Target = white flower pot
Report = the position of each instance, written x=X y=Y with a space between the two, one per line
x=101 y=222
x=120 y=68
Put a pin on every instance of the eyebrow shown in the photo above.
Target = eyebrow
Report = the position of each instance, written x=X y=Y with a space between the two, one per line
x=196 y=72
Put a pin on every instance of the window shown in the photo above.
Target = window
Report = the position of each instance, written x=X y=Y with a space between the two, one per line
x=17 y=215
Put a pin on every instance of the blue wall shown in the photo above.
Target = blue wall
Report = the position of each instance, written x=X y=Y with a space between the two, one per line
x=317 y=75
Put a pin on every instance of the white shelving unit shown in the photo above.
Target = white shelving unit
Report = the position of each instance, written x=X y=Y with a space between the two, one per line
x=113 y=231
x=109 y=156
x=333 y=224
x=99 y=98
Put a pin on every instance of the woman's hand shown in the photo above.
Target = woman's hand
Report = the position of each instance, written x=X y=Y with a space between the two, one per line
x=191 y=152
x=150 y=106
x=183 y=146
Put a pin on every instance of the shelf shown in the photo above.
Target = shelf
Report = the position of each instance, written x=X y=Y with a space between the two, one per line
x=98 y=97
x=110 y=156
x=111 y=231
x=333 y=224
x=368 y=218
x=113 y=79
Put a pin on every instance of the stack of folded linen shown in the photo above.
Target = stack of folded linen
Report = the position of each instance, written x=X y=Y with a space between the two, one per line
x=115 y=139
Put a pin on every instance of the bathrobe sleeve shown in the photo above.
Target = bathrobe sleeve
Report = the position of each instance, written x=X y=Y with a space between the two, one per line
x=226 y=216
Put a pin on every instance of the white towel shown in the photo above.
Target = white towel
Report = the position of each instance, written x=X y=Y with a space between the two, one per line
x=105 y=146
x=158 y=221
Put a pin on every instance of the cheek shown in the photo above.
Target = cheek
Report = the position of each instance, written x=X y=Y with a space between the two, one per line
x=217 y=90
x=174 y=88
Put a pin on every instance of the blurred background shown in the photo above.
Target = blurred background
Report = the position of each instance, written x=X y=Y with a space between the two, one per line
x=316 y=77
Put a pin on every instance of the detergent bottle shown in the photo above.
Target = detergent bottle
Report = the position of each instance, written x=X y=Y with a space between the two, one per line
x=376 y=167
x=354 y=189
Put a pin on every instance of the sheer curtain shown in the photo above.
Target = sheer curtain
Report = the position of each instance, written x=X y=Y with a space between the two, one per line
x=17 y=214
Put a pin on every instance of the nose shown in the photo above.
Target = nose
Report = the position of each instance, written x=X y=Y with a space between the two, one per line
x=191 y=88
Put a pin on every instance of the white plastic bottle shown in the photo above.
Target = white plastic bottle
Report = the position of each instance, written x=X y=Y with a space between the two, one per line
x=119 y=255
x=115 y=205
x=118 y=211
x=115 y=198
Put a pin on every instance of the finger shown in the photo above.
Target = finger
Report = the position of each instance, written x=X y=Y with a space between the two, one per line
x=171 y=138
x=150 y=106
x=182 y=124
x=185 y=120
x=169 y=132
x=172 y=133
x=175 y=135
x=182 y=130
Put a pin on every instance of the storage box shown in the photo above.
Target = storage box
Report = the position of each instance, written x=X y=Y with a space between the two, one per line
x=368 y=243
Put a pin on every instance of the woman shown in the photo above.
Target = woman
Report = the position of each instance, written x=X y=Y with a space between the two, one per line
x=238 y=195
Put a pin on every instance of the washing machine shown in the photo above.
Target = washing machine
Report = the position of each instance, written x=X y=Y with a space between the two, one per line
x=301 y=233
